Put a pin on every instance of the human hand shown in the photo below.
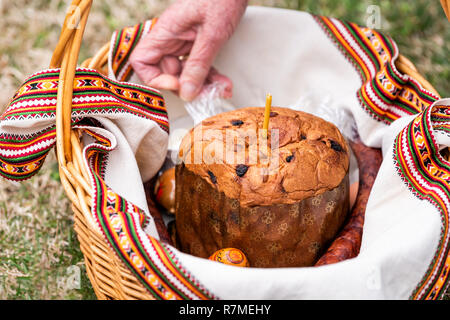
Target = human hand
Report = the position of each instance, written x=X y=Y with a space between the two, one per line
x=197 y=28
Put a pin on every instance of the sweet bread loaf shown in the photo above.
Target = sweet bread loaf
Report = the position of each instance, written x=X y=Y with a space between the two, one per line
x=281 y=200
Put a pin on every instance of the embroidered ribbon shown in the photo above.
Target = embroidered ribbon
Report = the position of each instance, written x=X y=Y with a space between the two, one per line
x=122 y=223
x=21 y=155
x=427 y=175
x=123 y=42
x=385 y=94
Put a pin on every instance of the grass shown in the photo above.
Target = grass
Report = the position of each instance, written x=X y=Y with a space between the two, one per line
x=39 y=249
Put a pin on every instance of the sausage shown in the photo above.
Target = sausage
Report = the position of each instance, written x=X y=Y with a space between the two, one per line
x=348 y=242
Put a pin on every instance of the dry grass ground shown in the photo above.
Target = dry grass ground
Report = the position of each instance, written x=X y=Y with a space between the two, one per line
x=38 y=246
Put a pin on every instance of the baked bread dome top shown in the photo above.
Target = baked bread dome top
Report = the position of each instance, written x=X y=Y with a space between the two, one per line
x=302 y=157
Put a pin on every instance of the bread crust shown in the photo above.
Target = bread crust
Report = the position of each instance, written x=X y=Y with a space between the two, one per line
x=312 y=156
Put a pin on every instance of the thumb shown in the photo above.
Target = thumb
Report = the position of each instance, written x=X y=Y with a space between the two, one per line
x=205 y=48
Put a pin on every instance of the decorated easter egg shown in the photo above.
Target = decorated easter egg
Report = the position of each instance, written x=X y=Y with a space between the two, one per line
x=165 y=190
x=230 y=256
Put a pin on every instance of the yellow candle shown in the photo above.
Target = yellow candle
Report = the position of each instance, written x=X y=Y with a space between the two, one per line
x=267 y=113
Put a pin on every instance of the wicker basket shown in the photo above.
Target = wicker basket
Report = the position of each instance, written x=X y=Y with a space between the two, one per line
x=110 y=278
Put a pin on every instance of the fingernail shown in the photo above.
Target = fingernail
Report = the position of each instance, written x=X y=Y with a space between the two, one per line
x=188 y=91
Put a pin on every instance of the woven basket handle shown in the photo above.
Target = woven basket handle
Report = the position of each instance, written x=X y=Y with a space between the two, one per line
x=73 y=174
x=404 y=65
x=65 y=57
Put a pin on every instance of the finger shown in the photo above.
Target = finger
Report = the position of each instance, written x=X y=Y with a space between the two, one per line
x=184 y=50
x=152 y=49
x=145 y=71
x=170 y=65
x=146 y=56
x=165 y=82
x=196 y=69
x=144 y=60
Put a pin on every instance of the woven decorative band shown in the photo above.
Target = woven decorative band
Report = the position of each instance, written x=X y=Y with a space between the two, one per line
x=385 y=94
x=122 y=223
x=427 y=175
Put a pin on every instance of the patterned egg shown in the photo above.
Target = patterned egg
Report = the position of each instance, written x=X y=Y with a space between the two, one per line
x=230 y=256
x=165 y=190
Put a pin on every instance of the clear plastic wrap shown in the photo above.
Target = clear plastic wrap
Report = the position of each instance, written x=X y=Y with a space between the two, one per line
x=208 y=103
